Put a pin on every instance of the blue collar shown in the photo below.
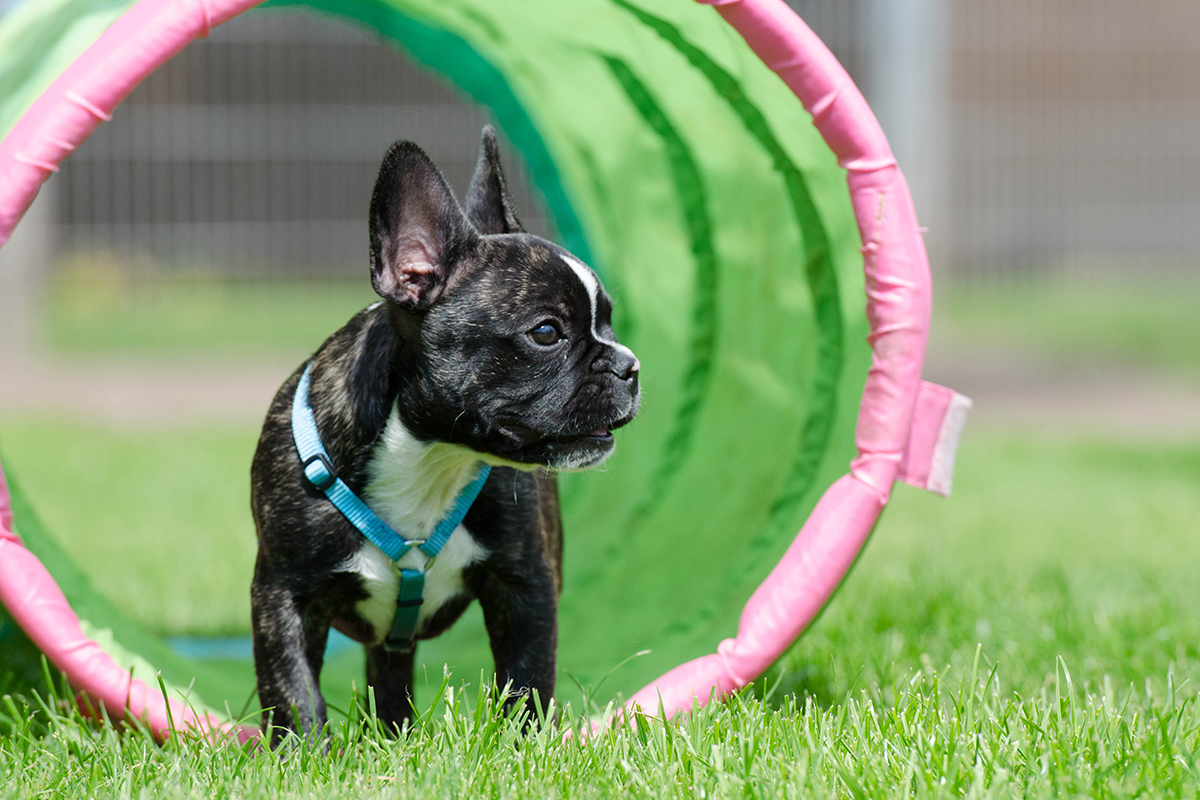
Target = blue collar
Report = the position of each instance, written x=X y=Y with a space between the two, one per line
x=319 y=471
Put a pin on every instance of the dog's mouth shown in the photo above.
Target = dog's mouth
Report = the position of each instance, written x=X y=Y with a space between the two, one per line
x=558 y=450
x=598 y=436
x=525 y=435
x=581 y=448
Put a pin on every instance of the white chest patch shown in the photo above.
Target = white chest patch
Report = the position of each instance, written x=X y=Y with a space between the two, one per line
x=411 y=485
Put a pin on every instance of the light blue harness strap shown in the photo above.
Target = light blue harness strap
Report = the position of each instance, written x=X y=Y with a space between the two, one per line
x=319 y=471
x=462 y=504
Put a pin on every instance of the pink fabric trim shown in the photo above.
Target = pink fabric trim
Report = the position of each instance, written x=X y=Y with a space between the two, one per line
x=86 y=93
x=36 y=603
x=898 y=306
x=6 y=512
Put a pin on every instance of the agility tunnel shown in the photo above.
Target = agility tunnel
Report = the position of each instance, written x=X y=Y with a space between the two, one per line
x=724 y=176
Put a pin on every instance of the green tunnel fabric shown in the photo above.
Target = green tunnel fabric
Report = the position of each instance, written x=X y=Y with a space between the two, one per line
x=683 y=170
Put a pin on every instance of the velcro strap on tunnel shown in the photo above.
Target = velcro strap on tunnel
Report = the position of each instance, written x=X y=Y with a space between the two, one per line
x=938 y=420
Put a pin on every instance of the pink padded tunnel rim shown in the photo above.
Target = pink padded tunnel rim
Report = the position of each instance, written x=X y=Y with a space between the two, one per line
x=898 y=310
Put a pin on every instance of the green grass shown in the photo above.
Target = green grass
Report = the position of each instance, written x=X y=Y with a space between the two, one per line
x=198 y=317
x=1150 y=322
x=160 y=520
x=969 y=737
x=1034 y=635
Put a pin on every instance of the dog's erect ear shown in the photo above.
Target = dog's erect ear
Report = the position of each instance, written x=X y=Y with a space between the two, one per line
x=489 y=207
x=417 y=230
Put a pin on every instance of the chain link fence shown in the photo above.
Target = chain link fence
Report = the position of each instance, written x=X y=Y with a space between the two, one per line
x=1070 y=128
x=253 y=153
x=1072 y=146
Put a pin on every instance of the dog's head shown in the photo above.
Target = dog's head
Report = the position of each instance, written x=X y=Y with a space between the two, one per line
x=506 y=338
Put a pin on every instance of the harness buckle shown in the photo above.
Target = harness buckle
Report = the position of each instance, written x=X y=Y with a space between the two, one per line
x=423 y=569
x=429 y=559
x=320 y=472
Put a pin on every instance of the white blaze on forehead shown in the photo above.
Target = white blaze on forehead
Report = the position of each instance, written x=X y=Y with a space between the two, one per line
x=588 y=279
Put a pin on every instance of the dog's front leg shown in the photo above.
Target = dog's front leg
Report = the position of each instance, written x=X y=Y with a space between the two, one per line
x=390 y=675
x=521 y=616
x=289 y=649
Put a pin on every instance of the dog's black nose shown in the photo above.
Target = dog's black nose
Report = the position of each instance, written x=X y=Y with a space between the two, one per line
x=620 y=362
x=631 y=369
x=626 y=366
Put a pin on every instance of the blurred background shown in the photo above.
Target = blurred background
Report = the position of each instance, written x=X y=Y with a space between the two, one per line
x=1050 y=146
x=213 y=233
x=1051 y=152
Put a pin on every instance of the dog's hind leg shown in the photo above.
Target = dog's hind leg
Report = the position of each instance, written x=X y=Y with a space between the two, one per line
x=390 y=675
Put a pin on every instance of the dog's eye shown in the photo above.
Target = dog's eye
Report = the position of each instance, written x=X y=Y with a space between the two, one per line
x=545 y=334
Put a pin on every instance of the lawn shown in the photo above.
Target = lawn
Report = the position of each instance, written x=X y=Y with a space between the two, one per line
x=1034 y=635
x=98 y=313
x=1148 y=322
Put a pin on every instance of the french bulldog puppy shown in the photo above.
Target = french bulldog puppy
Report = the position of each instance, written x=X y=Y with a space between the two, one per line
x=489 y=345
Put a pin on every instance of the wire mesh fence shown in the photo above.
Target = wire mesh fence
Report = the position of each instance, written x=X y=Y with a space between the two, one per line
x=253 y=153
x=1072 y=132
x=1075 y=143
x=1071 y=127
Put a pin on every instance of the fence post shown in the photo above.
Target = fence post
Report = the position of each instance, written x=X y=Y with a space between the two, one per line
x=908 y=59
x=24 y=267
